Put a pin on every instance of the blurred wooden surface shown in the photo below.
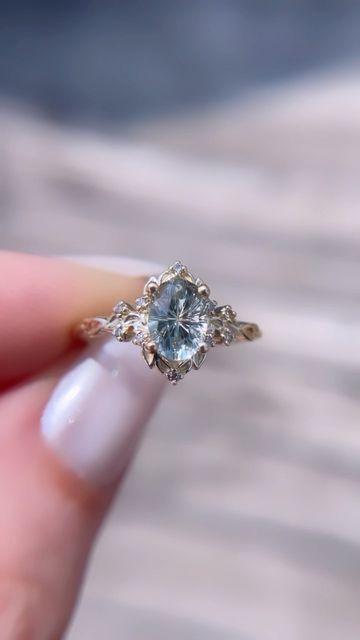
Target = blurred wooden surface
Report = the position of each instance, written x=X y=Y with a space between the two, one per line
x=240 y=519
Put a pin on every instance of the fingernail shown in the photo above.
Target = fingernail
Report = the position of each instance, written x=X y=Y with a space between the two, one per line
x=99 y=408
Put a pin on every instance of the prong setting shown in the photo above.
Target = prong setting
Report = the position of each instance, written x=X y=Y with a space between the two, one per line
x=150 y=346
x=151 y=286
x=204 y=290
x=203 y=347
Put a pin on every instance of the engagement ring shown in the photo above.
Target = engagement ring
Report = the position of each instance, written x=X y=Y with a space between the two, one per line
x=175 y=322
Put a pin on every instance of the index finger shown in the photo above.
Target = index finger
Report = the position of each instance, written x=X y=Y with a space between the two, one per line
x=40 y=301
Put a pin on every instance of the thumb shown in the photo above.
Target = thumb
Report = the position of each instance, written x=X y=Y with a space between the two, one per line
x=67 y=438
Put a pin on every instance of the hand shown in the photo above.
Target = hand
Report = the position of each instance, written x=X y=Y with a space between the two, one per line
x=70 y=419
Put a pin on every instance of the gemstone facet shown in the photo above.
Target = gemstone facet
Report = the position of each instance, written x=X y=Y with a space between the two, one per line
x=178 y=319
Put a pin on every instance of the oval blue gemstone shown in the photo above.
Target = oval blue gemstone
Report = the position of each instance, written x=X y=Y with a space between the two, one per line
x=178 y=319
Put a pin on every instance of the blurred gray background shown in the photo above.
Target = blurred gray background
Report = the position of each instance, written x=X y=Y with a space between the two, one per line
x=226 y=134
x=87 y=61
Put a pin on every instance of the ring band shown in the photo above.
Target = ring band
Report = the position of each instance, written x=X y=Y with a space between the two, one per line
x=174 y=322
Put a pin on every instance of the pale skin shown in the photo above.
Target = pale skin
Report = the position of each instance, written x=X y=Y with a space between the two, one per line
x=49 y=516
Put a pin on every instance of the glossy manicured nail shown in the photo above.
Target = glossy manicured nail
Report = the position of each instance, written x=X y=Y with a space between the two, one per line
x=98 y=410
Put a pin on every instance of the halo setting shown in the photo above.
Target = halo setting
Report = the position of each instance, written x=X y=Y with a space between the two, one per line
x=175 y=322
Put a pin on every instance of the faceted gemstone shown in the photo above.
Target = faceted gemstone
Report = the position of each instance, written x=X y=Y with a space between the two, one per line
x=177 y=267
x=141 y=303
x=178 y=319
x=120 y=308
